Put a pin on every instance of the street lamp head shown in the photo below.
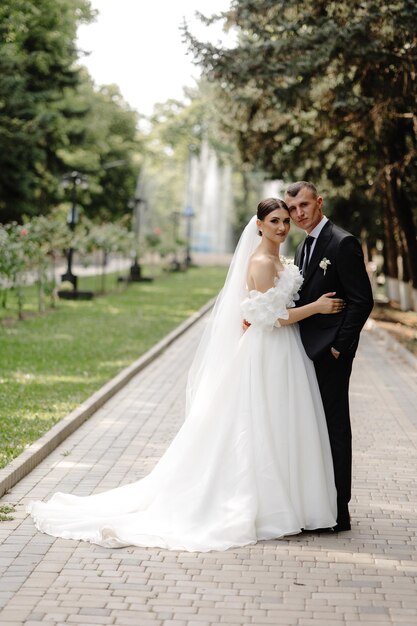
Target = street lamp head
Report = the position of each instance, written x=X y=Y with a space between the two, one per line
x=74 y=178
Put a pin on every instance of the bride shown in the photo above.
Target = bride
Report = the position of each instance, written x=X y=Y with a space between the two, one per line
x=252 y=460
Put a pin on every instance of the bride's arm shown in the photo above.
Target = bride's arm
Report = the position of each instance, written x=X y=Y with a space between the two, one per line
x=326 y=304
x=261 y=277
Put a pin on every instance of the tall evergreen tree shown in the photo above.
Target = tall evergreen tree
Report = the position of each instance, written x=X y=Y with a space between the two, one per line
x=37 y=63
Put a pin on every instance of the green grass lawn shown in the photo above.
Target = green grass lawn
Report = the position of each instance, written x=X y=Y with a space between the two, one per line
x=51 y=363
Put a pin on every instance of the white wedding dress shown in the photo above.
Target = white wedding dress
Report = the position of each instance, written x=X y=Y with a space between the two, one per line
x=251 y=461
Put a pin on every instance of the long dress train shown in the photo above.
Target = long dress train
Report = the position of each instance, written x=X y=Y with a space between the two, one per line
x=252 y=460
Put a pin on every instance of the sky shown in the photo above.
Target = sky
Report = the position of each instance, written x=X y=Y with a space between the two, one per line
x=137 y=45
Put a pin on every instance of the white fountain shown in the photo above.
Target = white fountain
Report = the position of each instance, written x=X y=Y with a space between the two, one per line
x=209 y=195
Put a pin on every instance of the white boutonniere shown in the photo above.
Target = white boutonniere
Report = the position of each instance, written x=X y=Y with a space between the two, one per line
x=324 y=264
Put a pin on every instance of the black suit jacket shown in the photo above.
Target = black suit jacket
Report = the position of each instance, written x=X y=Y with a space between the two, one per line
x=346 y=275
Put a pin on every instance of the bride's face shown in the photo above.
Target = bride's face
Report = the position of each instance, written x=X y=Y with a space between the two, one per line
x=275 y=226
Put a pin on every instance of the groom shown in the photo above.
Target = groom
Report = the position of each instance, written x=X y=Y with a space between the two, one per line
x=331 y=259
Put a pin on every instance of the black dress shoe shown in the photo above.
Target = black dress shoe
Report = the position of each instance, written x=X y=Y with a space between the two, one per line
x=341 y=526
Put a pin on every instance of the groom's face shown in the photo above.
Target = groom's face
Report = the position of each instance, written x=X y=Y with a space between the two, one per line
x=305 y=209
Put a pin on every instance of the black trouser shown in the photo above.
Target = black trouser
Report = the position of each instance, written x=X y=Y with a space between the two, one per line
x=333 y=377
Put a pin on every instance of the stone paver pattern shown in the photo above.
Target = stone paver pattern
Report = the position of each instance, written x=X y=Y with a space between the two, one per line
x=364 y=576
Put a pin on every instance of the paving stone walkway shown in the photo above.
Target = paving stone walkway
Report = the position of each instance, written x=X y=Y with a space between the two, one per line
x=368 y=575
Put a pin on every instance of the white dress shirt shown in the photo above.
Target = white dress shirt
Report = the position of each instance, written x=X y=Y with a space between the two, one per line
x=316 y=232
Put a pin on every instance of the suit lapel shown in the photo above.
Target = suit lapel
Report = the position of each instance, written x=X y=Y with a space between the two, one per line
x=321 y=244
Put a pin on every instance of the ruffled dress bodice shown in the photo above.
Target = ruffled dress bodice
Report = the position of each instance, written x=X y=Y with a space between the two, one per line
x=263 y=309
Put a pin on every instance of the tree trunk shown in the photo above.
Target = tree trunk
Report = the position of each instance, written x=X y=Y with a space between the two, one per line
x=390 y=246
x=404 y=213
x=392 y=238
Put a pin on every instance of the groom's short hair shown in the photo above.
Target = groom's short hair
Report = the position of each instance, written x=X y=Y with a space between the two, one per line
x=295 y=188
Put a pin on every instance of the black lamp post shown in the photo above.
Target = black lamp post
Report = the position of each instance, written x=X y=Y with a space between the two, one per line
x=188 y=214
x=136 y=270
x=175 y=264
x=75 y=180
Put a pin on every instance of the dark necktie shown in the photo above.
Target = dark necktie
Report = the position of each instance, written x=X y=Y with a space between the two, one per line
x=308 y=242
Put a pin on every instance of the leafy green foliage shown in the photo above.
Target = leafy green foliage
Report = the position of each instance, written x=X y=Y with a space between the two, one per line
x=103 y=142
x=53 y=119
x=5 y=510
x=325 y=90
x=37 y=56
x=35 y=247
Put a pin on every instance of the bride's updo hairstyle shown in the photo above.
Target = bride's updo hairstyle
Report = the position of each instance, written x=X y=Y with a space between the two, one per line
x=267 y=206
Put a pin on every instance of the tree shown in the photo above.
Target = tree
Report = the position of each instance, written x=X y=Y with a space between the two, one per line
x=37 y=64
x=53 y=119
x=104 y=143
x=325 y=90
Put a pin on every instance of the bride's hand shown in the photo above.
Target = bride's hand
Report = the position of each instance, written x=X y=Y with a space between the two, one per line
x=327 y=304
